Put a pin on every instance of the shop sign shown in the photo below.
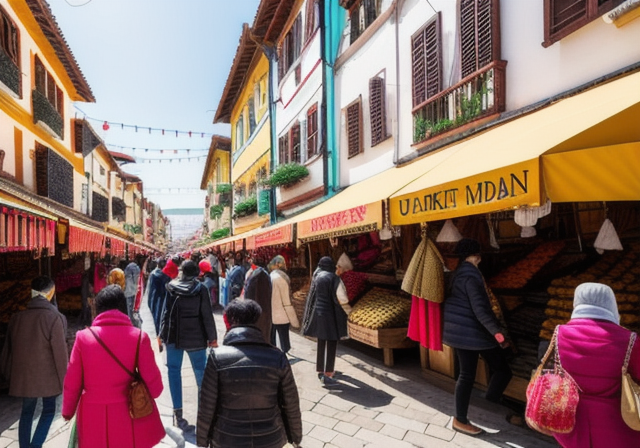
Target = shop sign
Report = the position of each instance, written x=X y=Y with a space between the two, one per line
x=363 y=218
x=492 y=191
x=281 y=235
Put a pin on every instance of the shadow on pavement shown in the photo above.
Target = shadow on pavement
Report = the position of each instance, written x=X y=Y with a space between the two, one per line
x=358 y=392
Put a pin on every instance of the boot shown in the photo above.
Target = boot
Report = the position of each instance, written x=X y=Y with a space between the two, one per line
x=178 y=421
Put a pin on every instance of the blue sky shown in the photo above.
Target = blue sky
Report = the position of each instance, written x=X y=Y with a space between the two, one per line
x=161 y=64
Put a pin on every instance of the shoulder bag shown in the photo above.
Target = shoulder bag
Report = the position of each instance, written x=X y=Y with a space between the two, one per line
x=140 y=400
x=630 y=404
x=552 y=396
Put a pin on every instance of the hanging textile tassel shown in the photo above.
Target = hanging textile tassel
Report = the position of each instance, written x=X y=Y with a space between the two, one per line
x=449 y=233
x=607 y=238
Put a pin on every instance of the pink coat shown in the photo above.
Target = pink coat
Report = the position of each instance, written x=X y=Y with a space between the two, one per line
x=593 y=351
x=97 y=386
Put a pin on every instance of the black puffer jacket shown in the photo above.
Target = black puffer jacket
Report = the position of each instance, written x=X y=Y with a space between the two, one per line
x=187 y=320
x=469 y=321
x=249 y=397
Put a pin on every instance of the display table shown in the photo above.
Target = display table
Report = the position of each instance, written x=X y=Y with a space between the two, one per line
x=385 y=338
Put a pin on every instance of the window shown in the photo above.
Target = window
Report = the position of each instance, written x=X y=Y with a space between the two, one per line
x=9 y=53
x=240 y=132
x=479 y=34
x=563 y=17
x=291 y=47
x=377 y=112
x=354 y=128
x=218 y=166
x=46 y=85
x=362 y=14
x=252 y=116
x=426 y=61
x=312 y=131
x=283 y=149
x=295 y=142
x=312 y=19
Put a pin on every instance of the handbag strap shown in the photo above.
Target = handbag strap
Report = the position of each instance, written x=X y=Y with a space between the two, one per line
x=632 y=340
x=550 y=349
x=114 y=356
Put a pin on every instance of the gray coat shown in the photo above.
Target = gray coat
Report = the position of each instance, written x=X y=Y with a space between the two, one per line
x=34 y=356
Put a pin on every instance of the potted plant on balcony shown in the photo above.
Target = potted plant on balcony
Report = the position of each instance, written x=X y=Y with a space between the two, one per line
x=245 y=208
x=287 y=175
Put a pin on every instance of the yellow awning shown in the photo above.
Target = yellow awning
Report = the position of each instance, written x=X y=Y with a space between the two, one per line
x=500 y=169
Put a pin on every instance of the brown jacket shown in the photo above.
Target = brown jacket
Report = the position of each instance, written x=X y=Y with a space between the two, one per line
x=34 y=357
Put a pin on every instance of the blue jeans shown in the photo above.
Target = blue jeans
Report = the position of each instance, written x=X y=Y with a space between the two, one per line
x=44 y=423
x=198 y=360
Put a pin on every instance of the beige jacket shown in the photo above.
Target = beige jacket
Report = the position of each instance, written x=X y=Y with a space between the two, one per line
x=282 y=311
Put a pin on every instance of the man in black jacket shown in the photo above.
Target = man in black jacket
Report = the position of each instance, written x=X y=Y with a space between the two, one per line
x=187 y=325
x=249 y=395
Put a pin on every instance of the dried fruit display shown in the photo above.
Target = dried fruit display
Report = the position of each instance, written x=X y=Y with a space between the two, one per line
x=14 y=297
x=618 y=269
x=517 y=275
x=381 y=308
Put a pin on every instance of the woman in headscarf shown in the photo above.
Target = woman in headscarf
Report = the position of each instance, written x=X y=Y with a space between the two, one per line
x=325 y=318
x=283 y=315
x=592 y=348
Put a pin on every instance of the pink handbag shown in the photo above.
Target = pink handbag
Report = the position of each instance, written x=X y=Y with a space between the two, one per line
x=552 y=396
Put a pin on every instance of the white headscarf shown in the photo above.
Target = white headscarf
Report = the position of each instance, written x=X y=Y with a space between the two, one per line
x=595 y=301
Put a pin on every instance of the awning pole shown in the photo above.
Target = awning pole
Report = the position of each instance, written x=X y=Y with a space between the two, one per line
x=576 y=220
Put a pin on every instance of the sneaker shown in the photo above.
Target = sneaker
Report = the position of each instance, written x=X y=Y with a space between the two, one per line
x=466 y=428
x=328 y=381
x=320 y=376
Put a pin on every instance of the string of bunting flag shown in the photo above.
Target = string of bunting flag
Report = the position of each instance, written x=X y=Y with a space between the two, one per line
x=160 y=150
x=107 y=125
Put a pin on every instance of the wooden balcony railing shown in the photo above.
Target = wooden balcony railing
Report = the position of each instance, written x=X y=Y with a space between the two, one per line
x=479 y=95
x=44 y=111
x=9 y=73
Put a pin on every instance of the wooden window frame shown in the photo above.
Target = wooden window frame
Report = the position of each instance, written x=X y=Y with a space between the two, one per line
x=295 y=143
x=291 y=48
x=353 y=126
x=47 y=86
x=426 y=61
x=377 y=109
x=10 y=41
x=474 y=46
x=363 y=13
x=312 y=19
x=283 y=149
x=312 y=131
x=589 y=10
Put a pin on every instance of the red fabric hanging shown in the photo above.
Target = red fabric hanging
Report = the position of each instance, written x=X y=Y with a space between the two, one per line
x=425 y=323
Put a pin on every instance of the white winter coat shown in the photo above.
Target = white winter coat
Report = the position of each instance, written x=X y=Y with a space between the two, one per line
x=282 y=311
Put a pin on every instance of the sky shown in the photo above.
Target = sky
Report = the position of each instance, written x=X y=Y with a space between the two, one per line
x=159 y=64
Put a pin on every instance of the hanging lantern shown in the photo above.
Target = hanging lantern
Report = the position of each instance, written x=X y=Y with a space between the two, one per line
x=449 y=233
x=607 y=238
x=105 y=126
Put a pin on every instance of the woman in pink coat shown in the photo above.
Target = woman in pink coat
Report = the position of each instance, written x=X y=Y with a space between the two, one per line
x=592 y=349
x=97 y=387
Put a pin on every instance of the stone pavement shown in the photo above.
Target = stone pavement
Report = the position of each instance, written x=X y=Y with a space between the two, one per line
x=372 y=406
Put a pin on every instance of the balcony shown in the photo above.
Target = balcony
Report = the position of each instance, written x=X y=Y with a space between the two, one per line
x=46 y=114
x=9 y=73
x=479 y=95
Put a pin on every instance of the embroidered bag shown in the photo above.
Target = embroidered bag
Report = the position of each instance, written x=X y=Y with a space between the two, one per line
x=552 y=396
x=140 y=400
x=630 y=404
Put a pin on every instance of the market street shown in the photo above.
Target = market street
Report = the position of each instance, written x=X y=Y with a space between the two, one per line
x=373 y=406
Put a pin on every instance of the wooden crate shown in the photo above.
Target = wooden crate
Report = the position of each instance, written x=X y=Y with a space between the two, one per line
x=385 y=338
x=442 y=362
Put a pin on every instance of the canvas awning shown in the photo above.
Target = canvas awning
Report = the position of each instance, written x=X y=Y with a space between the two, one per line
x=553 y=152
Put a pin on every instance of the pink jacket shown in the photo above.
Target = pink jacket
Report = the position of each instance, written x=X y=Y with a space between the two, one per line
x=593 y=351
x=96 y=386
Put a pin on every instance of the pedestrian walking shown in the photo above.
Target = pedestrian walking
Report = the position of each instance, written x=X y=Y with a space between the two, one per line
x=187 y=326
x=116 y=277
x=210 y=279
x=258 y=288
x=34 y=360
x=96 y=387
x=325 y=317
x=283 y=315
x=472 y=327
x=592 y=347
x=131 y=277
x=249 y=396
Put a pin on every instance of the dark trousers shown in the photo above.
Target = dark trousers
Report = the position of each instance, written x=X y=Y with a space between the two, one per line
x=25 y=439
x=283 y=335
x=326 y=357
x=468 y=363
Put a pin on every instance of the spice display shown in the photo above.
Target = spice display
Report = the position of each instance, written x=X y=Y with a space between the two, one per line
x=14 y=297
x=381 y=308
x=518 y=275
x=618 y=269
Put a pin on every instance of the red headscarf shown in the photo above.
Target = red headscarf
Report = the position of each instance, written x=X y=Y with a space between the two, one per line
x=205 y=266
x=170 y=269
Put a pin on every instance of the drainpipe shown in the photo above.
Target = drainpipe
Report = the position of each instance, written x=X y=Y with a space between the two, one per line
x=396 y=140
x=328 y=152
x=272 y=55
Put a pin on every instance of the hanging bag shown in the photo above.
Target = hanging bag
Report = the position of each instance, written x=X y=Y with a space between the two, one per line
x=630 y=404
x=140 y=400
x=552 y=396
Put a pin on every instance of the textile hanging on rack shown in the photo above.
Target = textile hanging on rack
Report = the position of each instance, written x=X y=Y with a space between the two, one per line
x=424 y=280
x=99 y=277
